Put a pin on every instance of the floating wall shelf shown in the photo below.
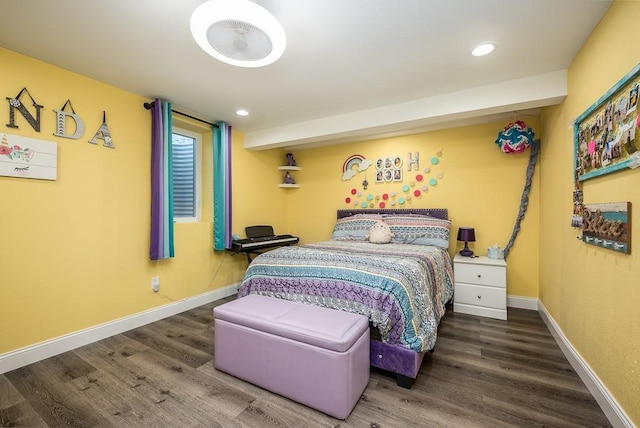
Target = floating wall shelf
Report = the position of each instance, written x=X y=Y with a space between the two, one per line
x=289 y=168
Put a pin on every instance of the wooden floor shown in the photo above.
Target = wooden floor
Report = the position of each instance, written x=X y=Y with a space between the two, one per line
x=484 y=373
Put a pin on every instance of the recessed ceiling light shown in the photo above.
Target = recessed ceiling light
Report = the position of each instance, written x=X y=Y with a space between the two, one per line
x=242 y=112
x=483 y=49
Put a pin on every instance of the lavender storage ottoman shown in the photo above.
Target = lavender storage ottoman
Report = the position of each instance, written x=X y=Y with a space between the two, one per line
x=316 y=356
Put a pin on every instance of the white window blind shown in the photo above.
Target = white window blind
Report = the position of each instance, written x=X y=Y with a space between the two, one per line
x=186 y=175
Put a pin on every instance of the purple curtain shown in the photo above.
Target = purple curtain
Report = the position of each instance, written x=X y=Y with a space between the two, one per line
x=161 y=239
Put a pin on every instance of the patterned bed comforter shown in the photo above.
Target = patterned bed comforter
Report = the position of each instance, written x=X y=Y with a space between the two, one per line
x=401 y=288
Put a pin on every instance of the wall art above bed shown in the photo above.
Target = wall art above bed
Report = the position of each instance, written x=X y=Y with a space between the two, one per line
x=397 y=180
x=605 y=137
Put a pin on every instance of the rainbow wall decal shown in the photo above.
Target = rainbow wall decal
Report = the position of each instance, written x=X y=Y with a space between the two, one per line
x=353 y=165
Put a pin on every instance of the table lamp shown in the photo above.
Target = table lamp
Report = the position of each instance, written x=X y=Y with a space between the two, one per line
x=466 y=234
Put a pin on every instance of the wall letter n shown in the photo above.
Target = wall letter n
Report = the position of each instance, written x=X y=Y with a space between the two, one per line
x=15 y=103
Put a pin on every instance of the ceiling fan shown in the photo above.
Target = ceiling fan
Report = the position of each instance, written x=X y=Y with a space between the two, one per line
x=238 y=32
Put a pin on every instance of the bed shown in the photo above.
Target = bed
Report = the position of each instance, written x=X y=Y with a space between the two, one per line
x=402 y=286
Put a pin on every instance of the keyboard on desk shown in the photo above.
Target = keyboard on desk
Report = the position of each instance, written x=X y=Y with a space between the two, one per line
x=261 y=238
x=240 y=245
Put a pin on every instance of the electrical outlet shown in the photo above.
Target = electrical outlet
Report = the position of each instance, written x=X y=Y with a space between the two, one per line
x=155 y=283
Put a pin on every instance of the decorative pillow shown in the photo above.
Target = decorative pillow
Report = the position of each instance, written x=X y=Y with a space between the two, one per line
x=380 y=233
x=354 y=228
x=420 y=230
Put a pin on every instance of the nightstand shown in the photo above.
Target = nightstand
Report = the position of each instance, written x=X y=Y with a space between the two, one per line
x=480 y=286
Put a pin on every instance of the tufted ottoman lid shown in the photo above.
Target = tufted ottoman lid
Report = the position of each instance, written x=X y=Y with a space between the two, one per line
x=314 y=325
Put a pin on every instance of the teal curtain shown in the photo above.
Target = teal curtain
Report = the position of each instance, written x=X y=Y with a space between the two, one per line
x=221 y=186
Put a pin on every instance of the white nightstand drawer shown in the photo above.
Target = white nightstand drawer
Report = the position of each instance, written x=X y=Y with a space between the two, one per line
x=494 y=276
x=477 y=295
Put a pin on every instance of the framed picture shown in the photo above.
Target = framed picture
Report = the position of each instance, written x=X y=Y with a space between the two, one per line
x=605 y=137
x=607 y=225
x=379 y=164
x=397 y=162
x=397 y=174
x=24 y=157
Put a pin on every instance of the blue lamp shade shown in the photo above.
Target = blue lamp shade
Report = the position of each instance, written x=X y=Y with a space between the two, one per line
x=466 y=234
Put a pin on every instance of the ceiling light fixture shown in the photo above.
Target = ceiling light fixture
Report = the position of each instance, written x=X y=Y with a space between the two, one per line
x=483 y=49
x=242 y=112
x=238 y=32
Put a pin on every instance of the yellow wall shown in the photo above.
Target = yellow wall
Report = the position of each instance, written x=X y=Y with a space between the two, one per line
x=593 y=293
x=75 y=251
x=480 y=186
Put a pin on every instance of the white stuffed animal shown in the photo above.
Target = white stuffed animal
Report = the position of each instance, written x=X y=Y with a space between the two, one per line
x=380 y=233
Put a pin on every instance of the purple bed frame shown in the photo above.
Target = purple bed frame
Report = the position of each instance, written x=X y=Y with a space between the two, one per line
x=404 y=362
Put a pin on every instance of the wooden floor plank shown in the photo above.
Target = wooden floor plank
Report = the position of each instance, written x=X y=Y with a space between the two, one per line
x=388 y=405
x=20 y=414
x=155 y=337
x=263 y=413
x=188 y=335
x=513 y=405
x=312 y=416
x=117 y=402
x=484 y=372
x=9 y=395
x=147 y=399
x=51 y=399
x=67 y=366
x=196 y=387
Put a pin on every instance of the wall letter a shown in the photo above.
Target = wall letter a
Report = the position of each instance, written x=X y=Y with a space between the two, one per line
x=103 y=134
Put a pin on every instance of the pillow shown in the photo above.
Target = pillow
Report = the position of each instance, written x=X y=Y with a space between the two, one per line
x=380 y=233
x=421 y=230
x=354 y=228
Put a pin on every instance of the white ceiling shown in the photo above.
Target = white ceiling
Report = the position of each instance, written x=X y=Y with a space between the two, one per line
x=352 y=69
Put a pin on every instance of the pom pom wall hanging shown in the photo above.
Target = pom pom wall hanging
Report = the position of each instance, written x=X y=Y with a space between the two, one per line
x=515 y=137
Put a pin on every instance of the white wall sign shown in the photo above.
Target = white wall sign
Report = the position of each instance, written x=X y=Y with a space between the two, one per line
x=24 y=157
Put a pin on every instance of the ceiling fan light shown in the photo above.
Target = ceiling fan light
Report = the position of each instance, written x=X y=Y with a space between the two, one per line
x=238 y=32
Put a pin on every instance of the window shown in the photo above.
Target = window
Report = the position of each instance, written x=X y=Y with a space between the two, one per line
x=186 y=175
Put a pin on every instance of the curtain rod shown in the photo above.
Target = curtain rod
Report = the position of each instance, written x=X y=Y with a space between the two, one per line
x=149 y=105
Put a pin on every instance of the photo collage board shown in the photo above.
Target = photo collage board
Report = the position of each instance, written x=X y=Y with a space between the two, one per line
x=388 y=169
x=605 y=135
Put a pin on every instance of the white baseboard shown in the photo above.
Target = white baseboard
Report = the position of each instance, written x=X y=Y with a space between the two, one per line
x=608 y=404
x=520 y=302
x=49 y=348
